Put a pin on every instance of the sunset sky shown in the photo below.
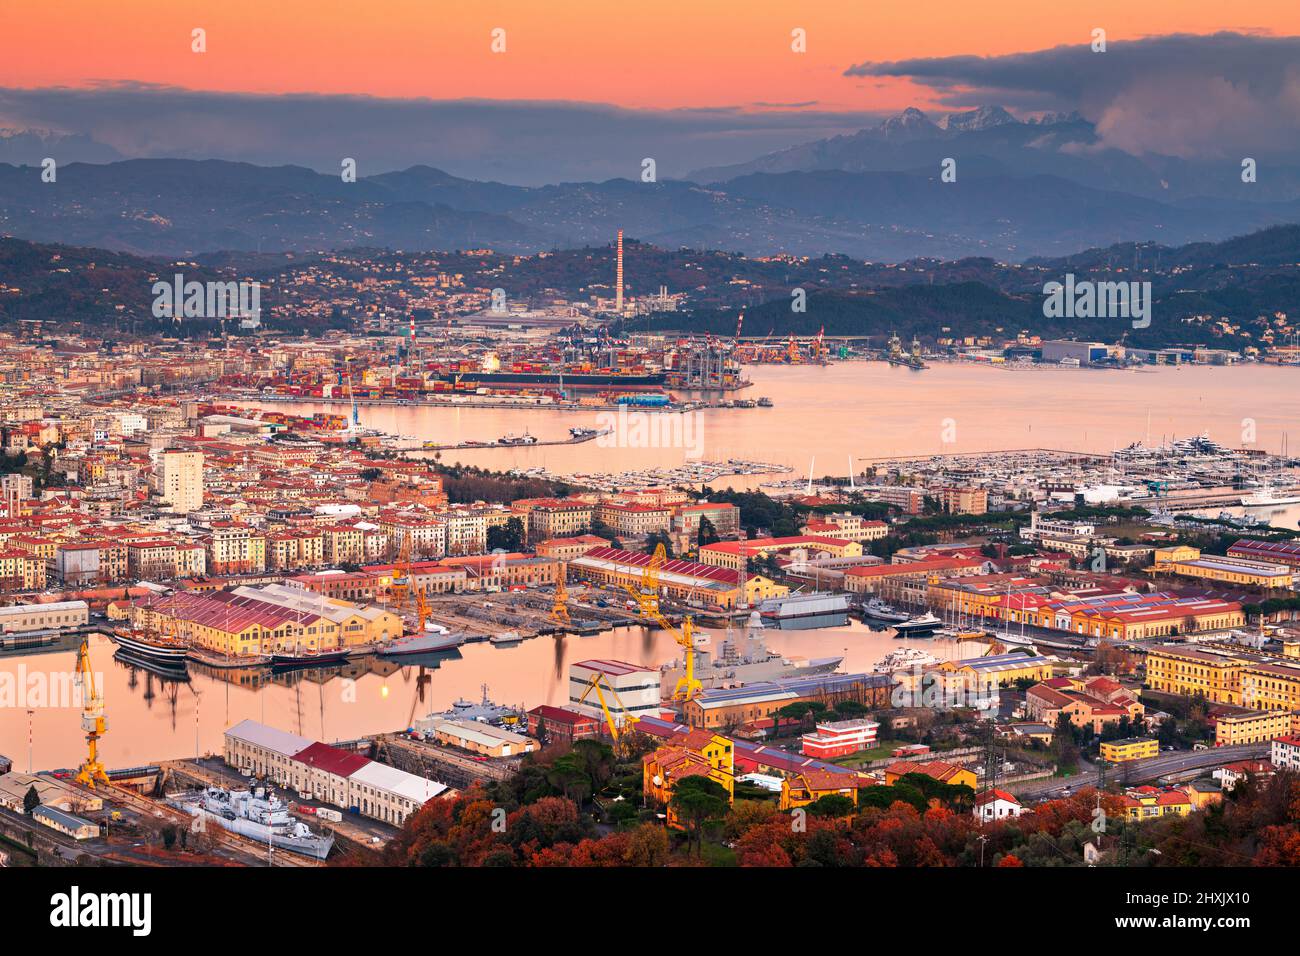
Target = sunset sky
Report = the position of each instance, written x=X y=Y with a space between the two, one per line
x=97 y=67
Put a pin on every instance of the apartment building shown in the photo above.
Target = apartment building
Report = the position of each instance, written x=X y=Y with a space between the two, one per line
x=180 y=480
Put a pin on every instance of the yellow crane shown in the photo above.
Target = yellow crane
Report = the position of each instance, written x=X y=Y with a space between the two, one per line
x=421 y=610
x=92 y=719
x=616 y=732
x=649 y=596
x=401 y=588
x=560 y=610
x=647 y=599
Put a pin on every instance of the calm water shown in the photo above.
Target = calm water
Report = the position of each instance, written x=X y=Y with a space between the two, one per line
x=872 y=410
x=152 y=718
x=863 y=410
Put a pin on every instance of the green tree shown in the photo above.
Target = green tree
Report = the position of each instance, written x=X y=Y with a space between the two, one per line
x=697 y=802
x=707 y=533
x=506 y=537
x=31 y=800
x=832 y=805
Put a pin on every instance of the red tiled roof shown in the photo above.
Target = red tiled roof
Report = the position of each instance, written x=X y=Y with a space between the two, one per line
x=320 y=756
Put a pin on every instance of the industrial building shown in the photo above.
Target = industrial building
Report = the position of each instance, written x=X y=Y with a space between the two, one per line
x=736 y=706
x=66 y=823
x=627 y=689
x=1231 y=569
x=332 y=775
x=248 y=621
x=18 y=618
x=52 y=792
x=475 y=736
x=1274 y=552
x=1084 y=352
x=699 y=584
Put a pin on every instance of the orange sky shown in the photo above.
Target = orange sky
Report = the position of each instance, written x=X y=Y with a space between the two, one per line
x=664 y=53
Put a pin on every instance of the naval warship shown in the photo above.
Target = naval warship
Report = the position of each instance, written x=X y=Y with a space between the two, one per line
x=744 y=660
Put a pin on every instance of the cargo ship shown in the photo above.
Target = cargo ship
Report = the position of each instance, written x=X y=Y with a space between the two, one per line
x=797 y=612
x=258 y=815
x=556 y=378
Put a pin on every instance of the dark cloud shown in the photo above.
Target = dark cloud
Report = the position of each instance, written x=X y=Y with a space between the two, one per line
x=1179 y=95
x=525 y=142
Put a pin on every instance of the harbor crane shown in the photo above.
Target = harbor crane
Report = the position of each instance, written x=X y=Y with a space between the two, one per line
x=560 y=609
x=647 y=599
x=92 y=718
x=618 y=733
x=401 y=586
x=354 y=425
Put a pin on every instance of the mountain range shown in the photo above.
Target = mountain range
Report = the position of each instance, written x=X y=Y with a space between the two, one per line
x=1044 y=188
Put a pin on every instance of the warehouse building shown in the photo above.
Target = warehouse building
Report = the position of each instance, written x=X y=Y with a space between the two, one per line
x=66 y=823
x=699 y=584
x=475 y=736
x=329 y=774
x=737 y=706
x=51 y=791
x=18 y=618
x=636 y=689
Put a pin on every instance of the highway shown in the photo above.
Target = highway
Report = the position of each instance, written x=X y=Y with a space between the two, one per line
x=1142 y=771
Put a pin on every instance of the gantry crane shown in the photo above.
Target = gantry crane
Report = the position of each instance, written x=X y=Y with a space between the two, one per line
x=92 y=718
x=618 y=733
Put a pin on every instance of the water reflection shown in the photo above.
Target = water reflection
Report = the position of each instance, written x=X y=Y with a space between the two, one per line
x=155 y=714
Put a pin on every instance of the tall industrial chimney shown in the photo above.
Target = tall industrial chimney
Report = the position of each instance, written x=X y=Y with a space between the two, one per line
x=618 y=294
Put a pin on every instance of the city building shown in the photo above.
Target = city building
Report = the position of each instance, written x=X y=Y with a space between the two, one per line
x=1250 y=727
x=993 y=805
x=561 y=725
x=693 y=753
x=180 y=480
x=1129 y=748
x=839 y=738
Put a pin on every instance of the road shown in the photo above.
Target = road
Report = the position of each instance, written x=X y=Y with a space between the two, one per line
x=1142 y=771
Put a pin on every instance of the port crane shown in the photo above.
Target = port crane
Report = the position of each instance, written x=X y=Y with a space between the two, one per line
x=616 y=732
x=92 y=718
x=354 y=424
x=401 y=586
x=421 y=610
x=560 y=609
x=647 y=599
